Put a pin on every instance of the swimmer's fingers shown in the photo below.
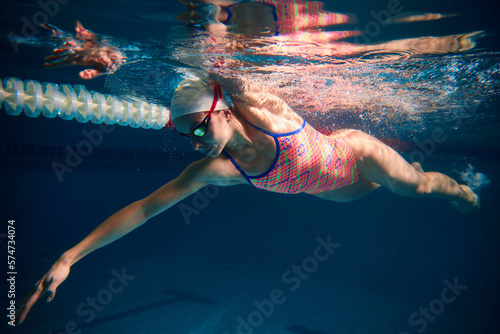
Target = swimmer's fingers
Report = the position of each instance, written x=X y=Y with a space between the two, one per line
x=56 y=32
x=62 y=59
x=47 y=285
x=59 y=56
x=60 y=63
x=69 y=45
x=31 y=298
x=84 y=34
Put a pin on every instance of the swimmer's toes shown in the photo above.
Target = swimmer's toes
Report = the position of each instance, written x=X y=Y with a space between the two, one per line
x=468 y=205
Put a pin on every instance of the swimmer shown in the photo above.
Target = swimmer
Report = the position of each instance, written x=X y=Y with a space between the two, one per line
x=262 y=142
x=86 y=48
x=262 y=17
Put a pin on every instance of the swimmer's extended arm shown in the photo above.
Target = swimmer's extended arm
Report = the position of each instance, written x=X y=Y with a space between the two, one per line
x=196 y=176
x=137 y=213
x=257 y=105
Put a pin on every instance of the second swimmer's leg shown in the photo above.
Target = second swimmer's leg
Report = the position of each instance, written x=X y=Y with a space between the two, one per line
x=379 y=163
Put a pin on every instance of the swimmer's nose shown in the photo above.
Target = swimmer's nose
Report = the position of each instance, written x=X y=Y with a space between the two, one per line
x=196 y=144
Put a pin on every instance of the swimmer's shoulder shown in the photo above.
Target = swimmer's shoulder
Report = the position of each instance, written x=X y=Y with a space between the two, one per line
x=278 y=122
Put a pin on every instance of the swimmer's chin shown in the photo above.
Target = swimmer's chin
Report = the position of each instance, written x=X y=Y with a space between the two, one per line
x=214 y=151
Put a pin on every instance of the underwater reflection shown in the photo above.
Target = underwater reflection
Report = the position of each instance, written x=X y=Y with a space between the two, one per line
x=389 y=85
x=262 y=18
x=296 y=29
x=256 y=34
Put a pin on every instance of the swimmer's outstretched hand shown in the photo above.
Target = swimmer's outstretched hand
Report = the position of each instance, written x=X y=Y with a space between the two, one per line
x=47 y=285
x=85 y=48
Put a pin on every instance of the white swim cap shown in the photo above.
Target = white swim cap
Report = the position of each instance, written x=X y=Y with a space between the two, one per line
x=193 y=96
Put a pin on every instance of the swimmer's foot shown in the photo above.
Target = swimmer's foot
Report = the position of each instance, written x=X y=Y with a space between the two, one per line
x=417 y=166
x=469 y=204
x=468 y=41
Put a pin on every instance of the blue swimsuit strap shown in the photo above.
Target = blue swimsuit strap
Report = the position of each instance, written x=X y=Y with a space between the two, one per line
x=237 y=166
x=275 y=136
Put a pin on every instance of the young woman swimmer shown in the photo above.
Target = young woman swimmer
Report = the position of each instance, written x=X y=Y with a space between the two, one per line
x=260 y=141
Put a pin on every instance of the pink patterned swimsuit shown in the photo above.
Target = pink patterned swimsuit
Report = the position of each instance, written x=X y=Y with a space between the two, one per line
x=306 y=161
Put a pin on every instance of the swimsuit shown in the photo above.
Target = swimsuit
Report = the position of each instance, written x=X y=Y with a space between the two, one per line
x=306 y=161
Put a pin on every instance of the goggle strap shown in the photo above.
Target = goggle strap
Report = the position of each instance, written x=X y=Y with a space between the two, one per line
x=217 y=96
x=169 y=124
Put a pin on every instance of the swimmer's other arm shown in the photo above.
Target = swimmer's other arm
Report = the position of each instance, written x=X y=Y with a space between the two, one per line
x=193 y=178
x=257 y=105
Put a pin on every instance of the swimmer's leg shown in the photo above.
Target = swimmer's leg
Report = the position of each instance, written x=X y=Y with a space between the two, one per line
x=382 y=165
x=349 y=193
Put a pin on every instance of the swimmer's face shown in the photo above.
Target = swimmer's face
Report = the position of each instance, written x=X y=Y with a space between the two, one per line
x=217 y=133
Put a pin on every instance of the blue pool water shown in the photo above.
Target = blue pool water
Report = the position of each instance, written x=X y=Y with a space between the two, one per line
x=383 y=264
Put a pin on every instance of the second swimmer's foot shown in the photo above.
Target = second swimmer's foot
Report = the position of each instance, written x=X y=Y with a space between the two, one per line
x=467 y=205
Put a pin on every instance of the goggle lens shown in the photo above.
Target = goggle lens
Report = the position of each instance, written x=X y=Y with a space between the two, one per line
x=200 y=132
x=201 y=129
